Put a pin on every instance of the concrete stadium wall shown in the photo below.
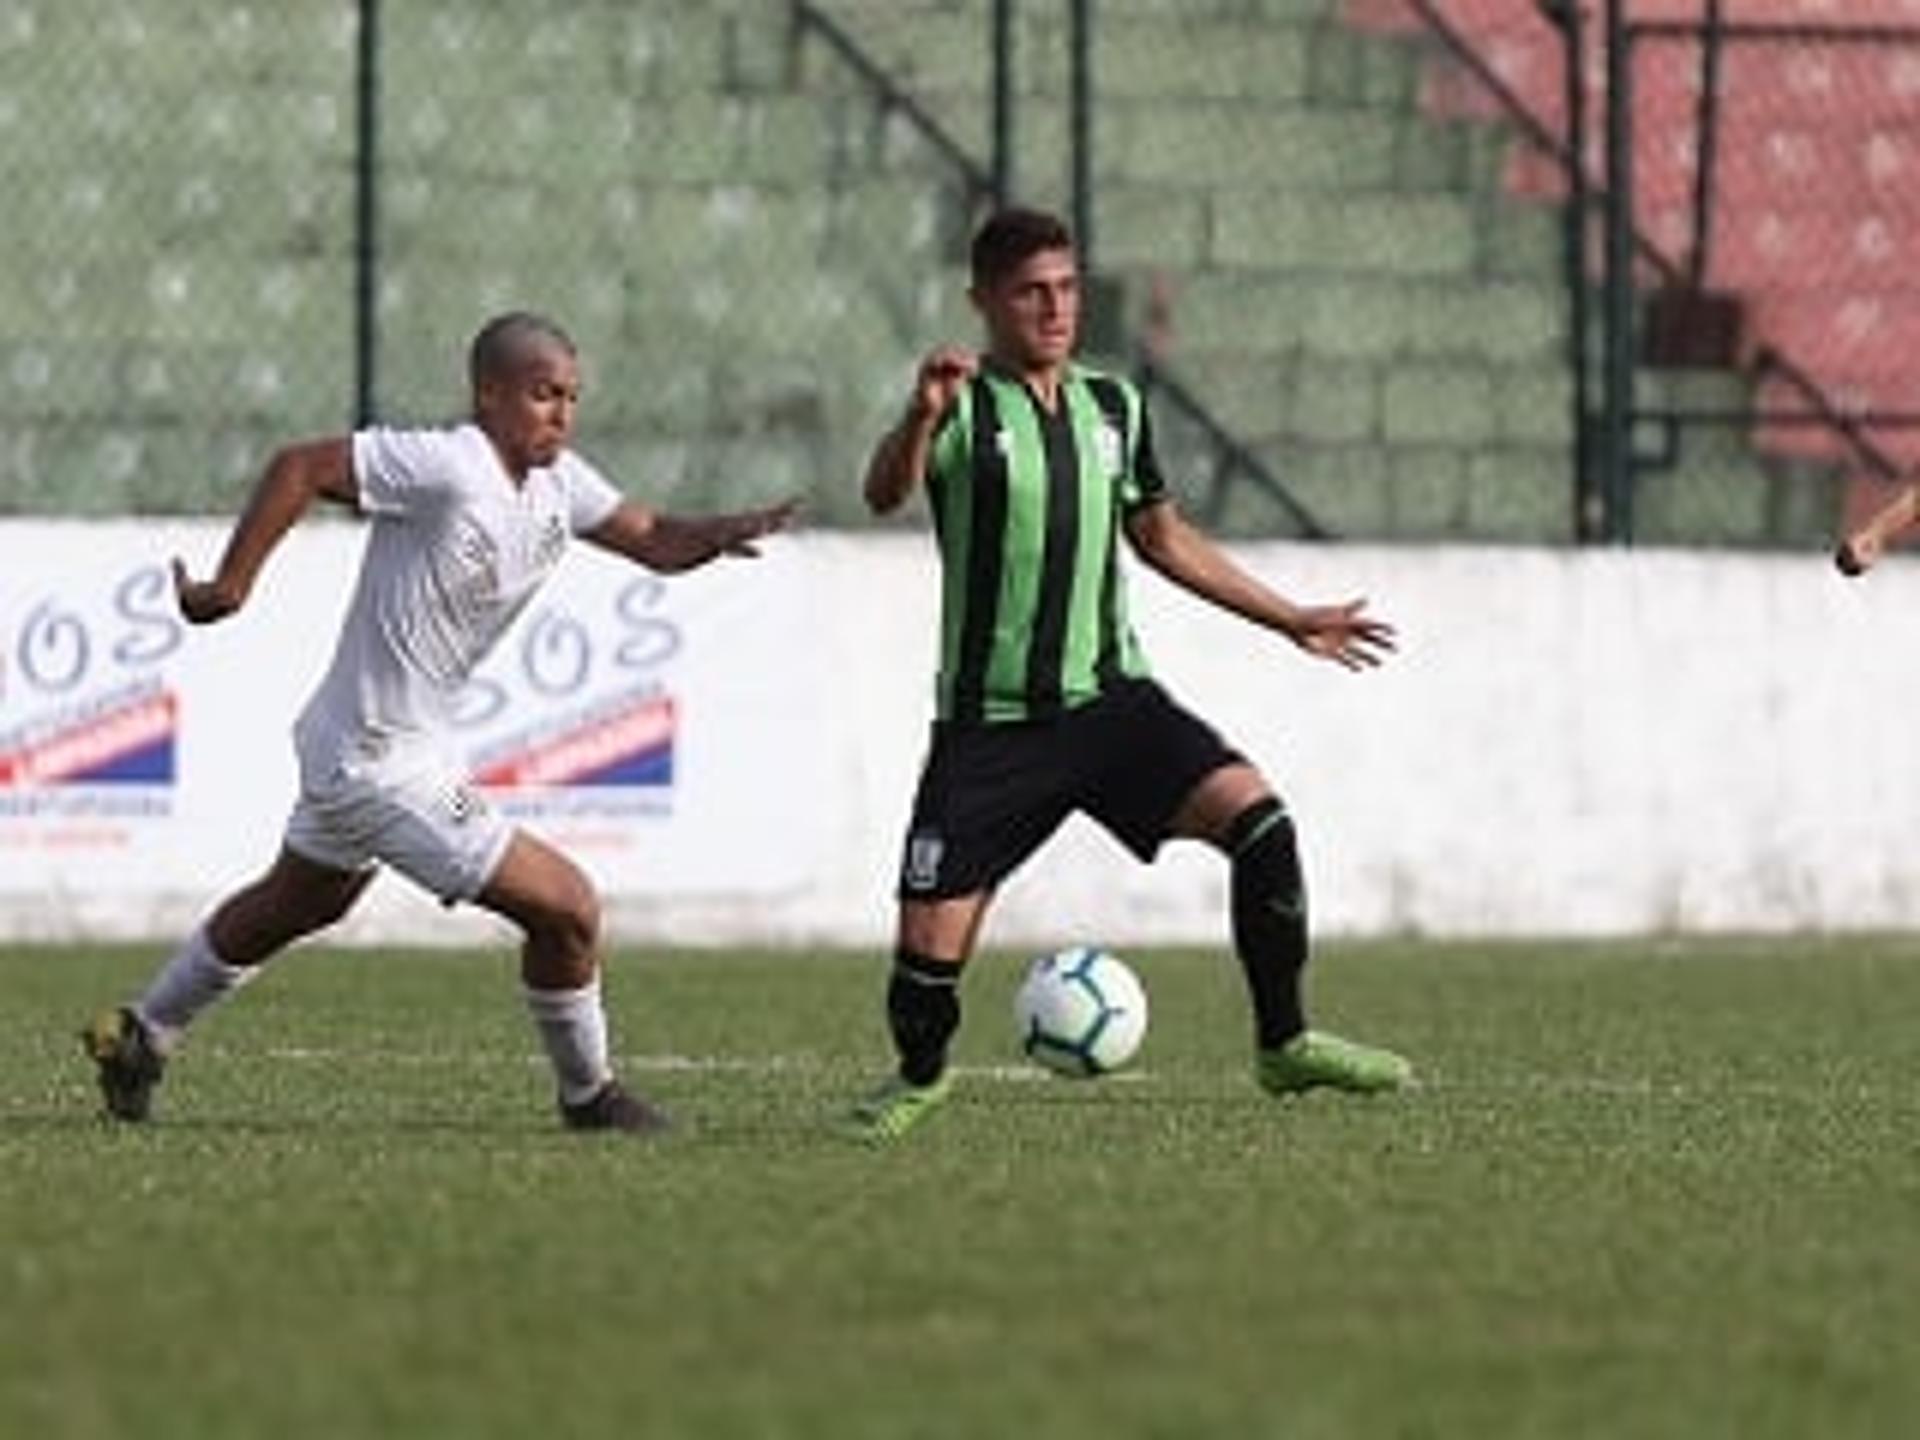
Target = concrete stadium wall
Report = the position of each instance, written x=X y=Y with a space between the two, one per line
x=1568 y=743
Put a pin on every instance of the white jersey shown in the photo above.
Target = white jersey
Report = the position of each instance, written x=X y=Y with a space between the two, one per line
x=456 y=550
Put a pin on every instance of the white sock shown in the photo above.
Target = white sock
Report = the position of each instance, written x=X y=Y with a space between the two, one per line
x=573 y=1027
x=194 y=978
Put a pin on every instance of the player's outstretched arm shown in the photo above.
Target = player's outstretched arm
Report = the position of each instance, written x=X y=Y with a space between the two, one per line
x=294 y=478
x=1862 y=549
x=900 y=459
x=673 y=543
x=1344 y=633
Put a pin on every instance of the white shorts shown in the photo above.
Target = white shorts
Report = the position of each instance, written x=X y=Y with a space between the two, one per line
x=428 y=822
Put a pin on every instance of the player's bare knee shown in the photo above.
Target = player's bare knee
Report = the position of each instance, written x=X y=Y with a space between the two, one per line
x=583 y=922
x=570 y=920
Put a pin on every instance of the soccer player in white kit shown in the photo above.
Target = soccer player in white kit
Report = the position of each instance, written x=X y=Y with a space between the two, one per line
x=467 y=522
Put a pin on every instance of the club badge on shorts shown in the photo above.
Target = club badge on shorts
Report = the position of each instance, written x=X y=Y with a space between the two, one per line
x=923 y=860
x=464 y=805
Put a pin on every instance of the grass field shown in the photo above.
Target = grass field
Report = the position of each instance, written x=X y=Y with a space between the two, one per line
x=1658 y=1190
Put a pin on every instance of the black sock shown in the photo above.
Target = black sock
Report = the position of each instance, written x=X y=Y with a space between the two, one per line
x=1269 y=918
x=923 y=1011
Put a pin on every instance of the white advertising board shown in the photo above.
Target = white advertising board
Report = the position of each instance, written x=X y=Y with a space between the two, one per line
x=146 y=765
x=1566 y=744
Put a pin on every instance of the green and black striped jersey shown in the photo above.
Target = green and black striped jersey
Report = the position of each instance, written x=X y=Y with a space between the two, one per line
x=1027 y=506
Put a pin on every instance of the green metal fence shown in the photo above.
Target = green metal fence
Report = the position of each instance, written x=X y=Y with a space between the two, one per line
x=230 y=223
x=210 y=243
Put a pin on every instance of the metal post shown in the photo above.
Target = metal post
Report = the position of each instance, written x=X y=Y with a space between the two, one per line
x=1080 y=102
x=1618 y=403
x=1002 y=86
x=1707 y=137
x=366 y=218
x=1586 y=504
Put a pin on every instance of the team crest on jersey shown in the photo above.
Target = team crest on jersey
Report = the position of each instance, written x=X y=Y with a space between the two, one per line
x=1111 y=450
x=924 y=851
x=1003 y=442
x=553 y=541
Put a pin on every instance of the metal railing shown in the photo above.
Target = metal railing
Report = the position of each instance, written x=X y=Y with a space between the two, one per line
x=1233 y=463
x=1691 y=274
x=1608 y=412
x=1695 y=271
x=990 y=181
x=985 y=182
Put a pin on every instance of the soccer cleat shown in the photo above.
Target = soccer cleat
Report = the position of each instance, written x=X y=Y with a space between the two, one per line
x=895 y=1107
x=129 y=1065
x=1314 y=1059
x=611 y=1107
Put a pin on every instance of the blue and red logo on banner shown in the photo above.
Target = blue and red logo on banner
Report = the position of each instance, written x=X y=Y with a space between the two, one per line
x=128 y=737
x=627 y=742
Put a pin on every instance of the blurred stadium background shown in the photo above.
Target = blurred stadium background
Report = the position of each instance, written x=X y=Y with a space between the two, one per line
x=1346 y=241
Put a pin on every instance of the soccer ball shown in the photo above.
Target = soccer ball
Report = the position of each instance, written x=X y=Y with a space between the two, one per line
x=1080 y=1012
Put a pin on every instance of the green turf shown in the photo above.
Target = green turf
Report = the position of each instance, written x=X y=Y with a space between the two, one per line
x=1663 y=1190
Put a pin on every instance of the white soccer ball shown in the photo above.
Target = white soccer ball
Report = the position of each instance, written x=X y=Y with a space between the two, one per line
x=1080 y=1012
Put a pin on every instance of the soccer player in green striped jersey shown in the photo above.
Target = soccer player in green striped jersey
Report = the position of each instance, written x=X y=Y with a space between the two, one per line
x=1036 y=468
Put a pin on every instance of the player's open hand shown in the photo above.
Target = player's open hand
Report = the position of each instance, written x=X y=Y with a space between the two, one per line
x=1344 y=634
x=741 y=533
x=1858 y=553
x=201 y=601
x=942 y=375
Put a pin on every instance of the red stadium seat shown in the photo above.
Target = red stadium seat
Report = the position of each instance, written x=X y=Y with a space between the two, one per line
x=1527 y=63
x=1832 y=14
x=1848 y=337
x=1382 y=17
x=1816 y=178
x=1532 y=172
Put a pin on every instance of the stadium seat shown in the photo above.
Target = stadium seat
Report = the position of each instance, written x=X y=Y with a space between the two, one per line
x=668 y=51
x=1814 y=165
x=931 y=53
x=1383 y=17
x=1189 y=59
x=1359 y=233
x=1185 y=143
x=1352 y=488
x=1516 y=497
x=1845 y=337
x=1439 y=404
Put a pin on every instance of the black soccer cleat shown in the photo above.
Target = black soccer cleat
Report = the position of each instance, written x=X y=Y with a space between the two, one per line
x=128 y=1064
x=612 y=1108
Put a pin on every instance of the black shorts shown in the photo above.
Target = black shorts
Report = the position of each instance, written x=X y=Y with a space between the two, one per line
x=990 y=795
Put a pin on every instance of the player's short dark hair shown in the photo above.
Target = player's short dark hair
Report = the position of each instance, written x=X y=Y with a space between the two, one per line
x=505 y=343
x=1009 y=237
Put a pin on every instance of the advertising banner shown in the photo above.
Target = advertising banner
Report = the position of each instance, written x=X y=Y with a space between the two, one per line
x=91 y=709
x=656 y=728
x=1566 y=743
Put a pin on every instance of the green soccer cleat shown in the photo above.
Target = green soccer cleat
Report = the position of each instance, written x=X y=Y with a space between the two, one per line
x=1314 y=1059
x=129 y=1066
x=895 y=1107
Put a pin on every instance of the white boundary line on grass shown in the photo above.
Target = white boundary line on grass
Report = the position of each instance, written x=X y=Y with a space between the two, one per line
x=657 y=1064
x=1015 y=1073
